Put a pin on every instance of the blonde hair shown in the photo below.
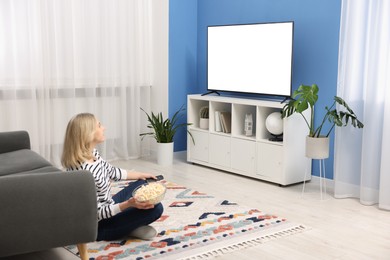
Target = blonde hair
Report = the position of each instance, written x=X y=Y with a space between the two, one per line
x=78 y=138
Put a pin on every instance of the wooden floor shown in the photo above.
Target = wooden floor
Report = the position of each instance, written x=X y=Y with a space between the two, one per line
x=338 y=228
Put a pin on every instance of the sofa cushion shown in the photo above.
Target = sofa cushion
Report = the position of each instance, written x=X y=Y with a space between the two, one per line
x=13 y=141
x=23 y=161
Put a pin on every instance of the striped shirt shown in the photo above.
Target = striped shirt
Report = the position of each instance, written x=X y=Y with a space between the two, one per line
x=103 y=172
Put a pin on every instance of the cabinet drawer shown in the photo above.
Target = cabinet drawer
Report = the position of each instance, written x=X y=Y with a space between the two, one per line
x=243 y=154
x=220 y=150
x=199 y=150
x=270 y=161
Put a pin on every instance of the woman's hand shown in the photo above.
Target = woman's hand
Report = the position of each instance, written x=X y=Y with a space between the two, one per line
x=132 y=202
x=131 y=175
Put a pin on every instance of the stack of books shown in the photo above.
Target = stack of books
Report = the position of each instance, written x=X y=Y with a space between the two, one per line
x=223 y=121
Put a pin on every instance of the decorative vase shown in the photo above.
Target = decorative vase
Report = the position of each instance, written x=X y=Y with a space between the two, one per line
x=317 y=147
x=164 y=154
x=248 y=125
x=204 y=123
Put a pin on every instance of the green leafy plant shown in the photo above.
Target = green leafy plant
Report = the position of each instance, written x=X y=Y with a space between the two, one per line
x=305 y=97
x=164 y=129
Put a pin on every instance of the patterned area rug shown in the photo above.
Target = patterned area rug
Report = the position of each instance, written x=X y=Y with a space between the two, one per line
x=196 y=225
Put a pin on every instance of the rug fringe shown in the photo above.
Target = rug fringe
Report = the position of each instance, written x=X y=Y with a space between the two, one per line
x=246 y=244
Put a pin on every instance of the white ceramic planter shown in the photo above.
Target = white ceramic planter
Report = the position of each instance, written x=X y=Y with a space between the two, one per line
x=204 y=123
x=164 y=154
x=317 y=148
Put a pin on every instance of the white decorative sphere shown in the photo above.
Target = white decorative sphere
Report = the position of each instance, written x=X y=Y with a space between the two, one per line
x=274 y=123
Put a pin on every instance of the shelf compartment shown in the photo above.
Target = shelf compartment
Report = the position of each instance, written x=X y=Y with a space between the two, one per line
x=194 y=107
x=238 y=120
x=263 y=113
x=221 y=107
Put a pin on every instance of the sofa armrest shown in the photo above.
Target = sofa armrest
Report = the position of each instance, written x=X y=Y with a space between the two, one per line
x=46 y=210
x=15 y=140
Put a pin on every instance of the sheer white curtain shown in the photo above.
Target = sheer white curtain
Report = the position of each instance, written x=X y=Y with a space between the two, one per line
x=362 y=157
x=62 y=57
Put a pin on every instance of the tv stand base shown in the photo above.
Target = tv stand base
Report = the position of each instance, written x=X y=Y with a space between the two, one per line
x=211 y=92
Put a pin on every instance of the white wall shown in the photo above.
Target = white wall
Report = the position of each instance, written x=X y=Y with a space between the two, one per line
x=160 y=23
x=159 y=89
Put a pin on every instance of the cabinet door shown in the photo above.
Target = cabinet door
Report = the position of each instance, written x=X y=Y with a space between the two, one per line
x=199 y=150
x=243 y=154
x=270 y=162
x=220 y=150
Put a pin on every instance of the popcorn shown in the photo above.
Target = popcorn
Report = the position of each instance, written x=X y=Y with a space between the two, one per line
x=152 y=193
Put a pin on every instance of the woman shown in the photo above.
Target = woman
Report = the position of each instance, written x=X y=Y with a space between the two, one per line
x=119 y=215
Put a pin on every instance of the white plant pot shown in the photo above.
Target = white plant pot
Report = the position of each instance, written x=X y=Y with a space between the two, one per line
x=317 y=148
x=164 y=154
x=204 y=123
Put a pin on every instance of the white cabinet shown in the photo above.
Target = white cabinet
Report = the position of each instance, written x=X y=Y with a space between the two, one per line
x=253 y=156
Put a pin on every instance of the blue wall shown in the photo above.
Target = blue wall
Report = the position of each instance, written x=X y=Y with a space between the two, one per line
x=316 y=37
x=182 y=60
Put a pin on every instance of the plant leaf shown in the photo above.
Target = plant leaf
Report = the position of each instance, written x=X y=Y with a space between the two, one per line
x=164 y=130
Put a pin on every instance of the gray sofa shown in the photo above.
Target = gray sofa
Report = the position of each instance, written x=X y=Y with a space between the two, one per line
x=41 y=207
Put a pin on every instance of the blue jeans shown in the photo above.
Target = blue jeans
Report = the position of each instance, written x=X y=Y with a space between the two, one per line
x=120 y=225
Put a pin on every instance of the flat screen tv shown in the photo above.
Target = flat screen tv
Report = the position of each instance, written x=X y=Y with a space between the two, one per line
x=250 y=58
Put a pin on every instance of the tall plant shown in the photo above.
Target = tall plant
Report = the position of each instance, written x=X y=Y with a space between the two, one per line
x=305 y=97
x=164 y=130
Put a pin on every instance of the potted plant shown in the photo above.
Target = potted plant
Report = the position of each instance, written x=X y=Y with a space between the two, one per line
x=204 y=117
x=305 y=97
x=163 y=131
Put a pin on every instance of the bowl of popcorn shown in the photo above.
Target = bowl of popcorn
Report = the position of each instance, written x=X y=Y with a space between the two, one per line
x=151 y=193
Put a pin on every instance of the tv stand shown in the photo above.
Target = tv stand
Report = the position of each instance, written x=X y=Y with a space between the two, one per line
x=211 y=92
x=281 y=160
x=285 y=99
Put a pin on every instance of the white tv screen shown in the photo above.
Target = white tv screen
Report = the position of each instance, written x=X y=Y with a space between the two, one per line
x=250 y=58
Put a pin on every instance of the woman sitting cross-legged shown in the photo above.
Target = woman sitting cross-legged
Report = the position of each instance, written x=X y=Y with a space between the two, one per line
x=120 y=215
